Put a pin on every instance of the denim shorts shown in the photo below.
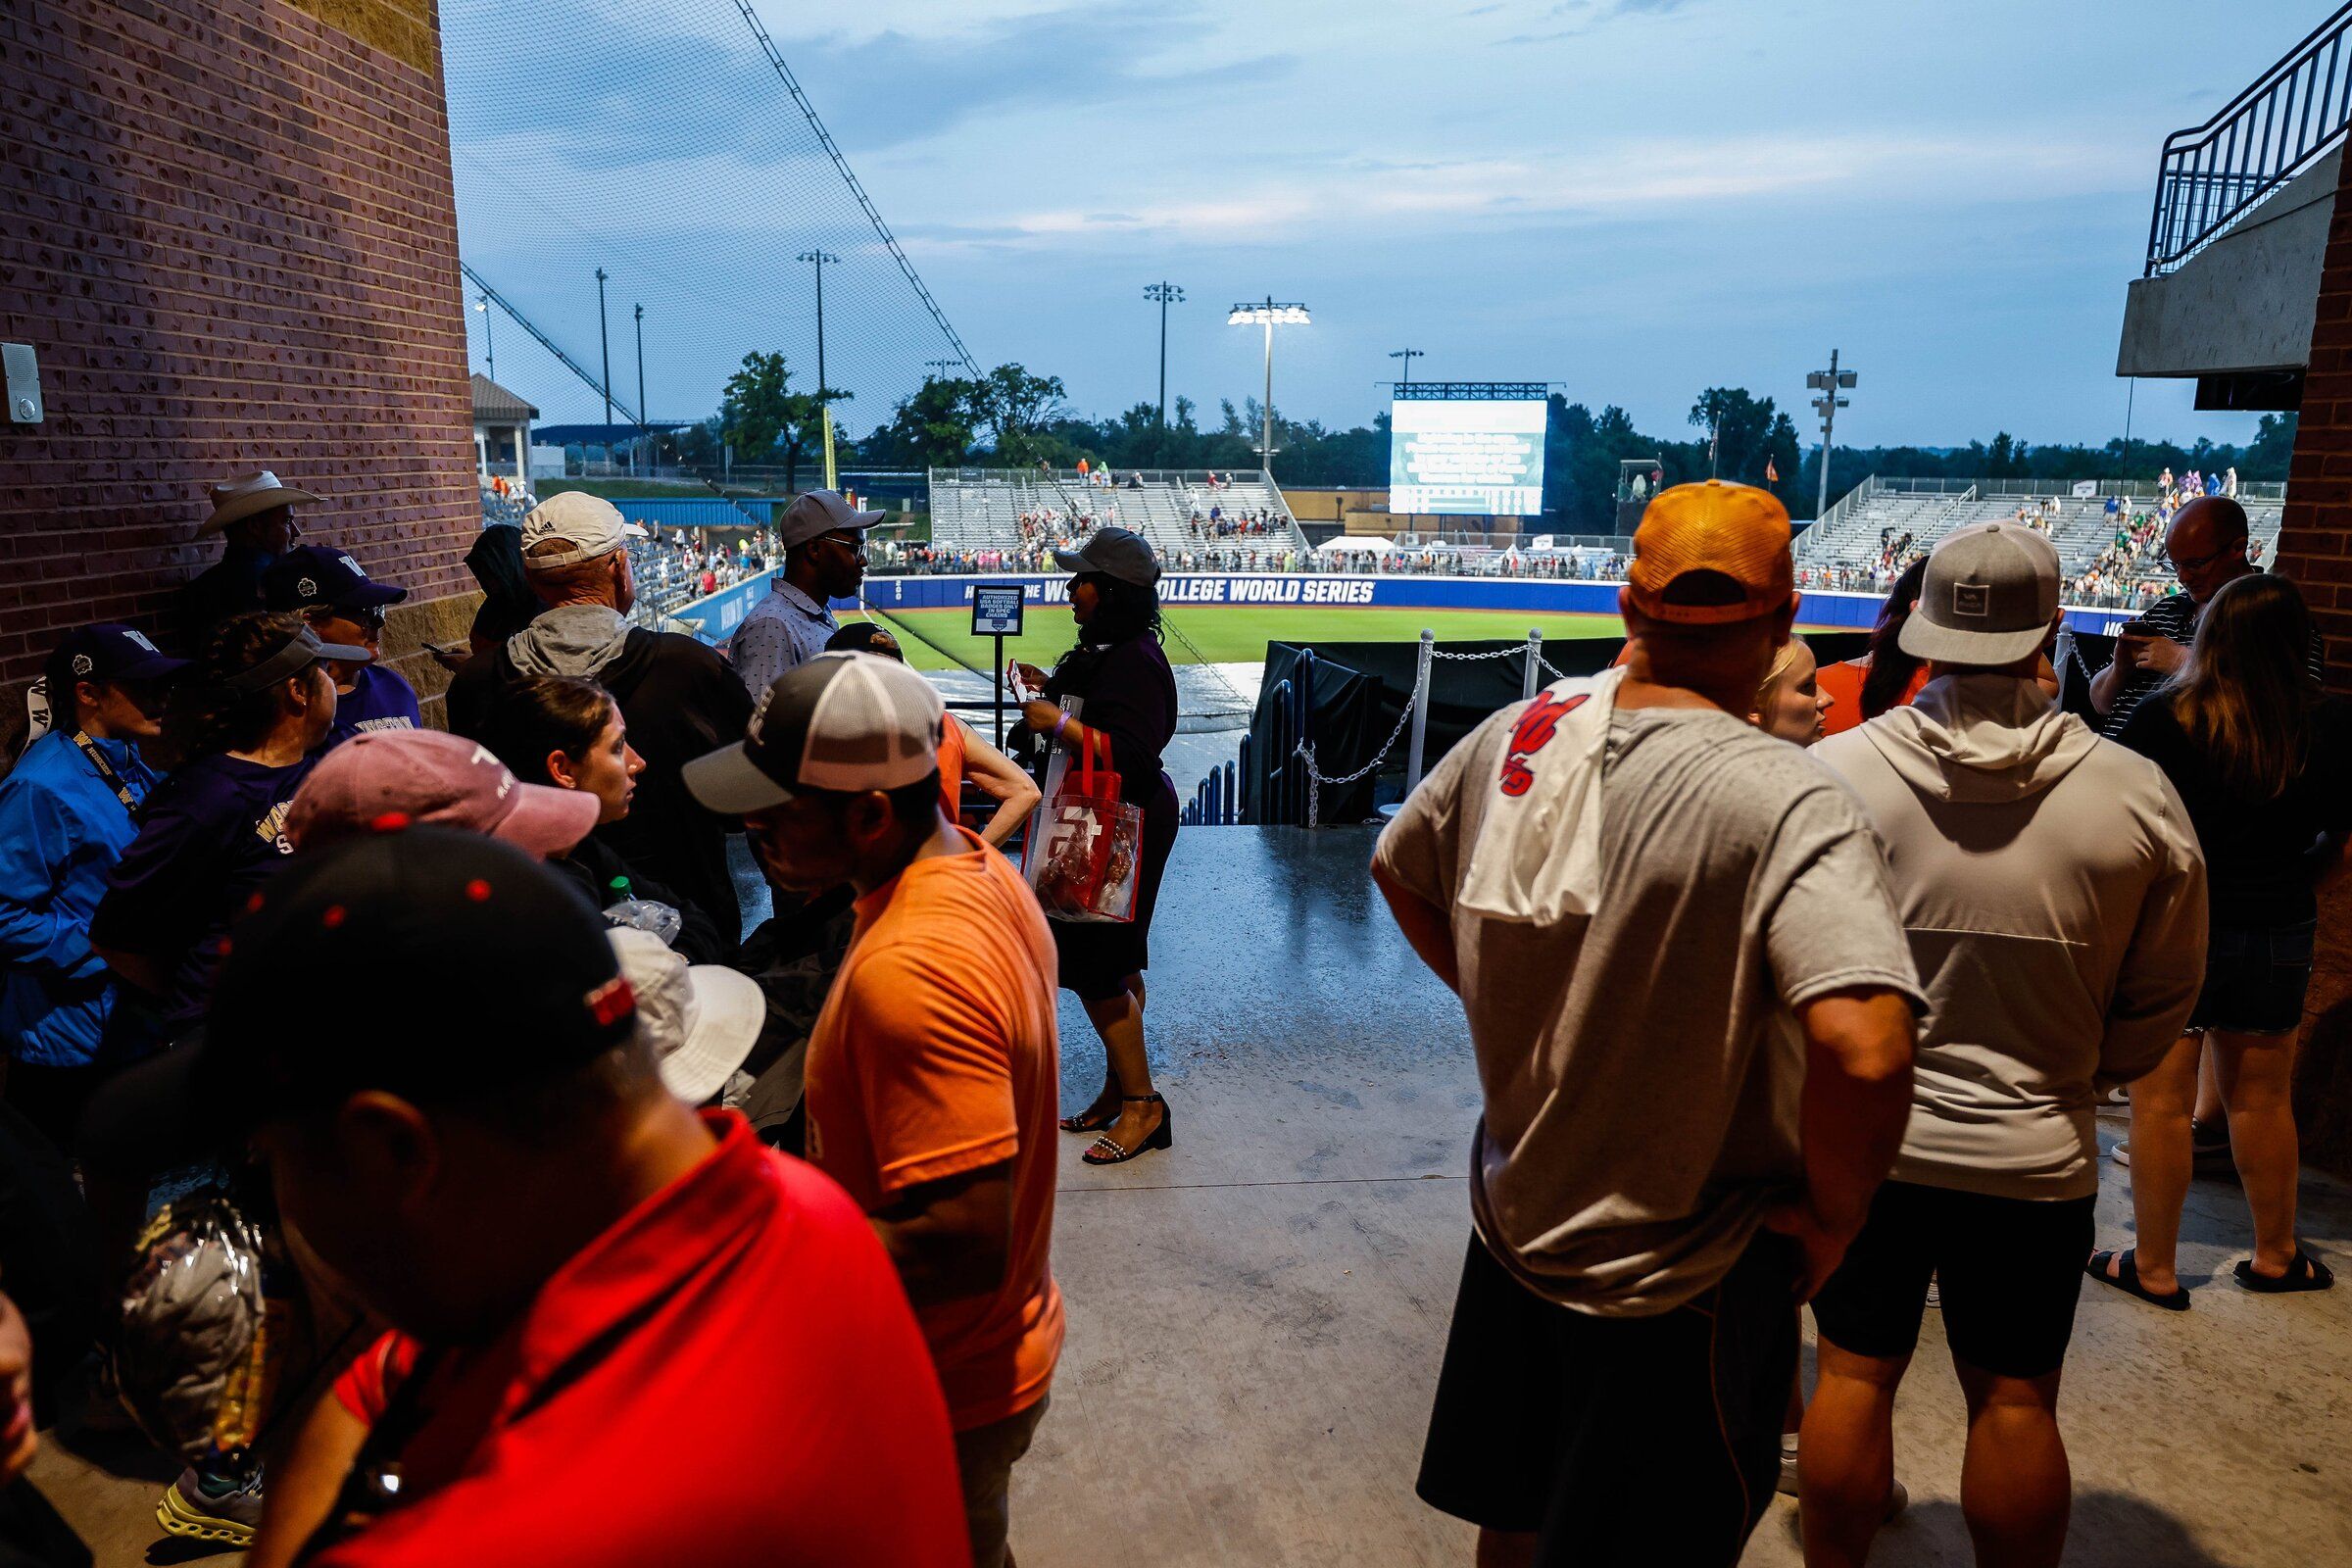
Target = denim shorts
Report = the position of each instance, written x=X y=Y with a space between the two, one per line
x=2255 y=977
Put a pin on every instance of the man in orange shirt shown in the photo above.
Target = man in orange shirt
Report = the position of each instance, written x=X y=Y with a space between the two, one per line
x=932 y=1076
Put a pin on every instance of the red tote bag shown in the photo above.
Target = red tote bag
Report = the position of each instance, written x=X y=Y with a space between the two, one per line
x=1085 y=844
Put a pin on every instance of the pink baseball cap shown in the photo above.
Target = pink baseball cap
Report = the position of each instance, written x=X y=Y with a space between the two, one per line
x=383 y=779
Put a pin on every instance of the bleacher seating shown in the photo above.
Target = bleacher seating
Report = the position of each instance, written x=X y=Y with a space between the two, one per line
x=1852 y=537
x=981 y=509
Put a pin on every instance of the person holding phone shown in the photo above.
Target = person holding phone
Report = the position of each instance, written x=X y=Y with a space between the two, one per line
x=2206 y=546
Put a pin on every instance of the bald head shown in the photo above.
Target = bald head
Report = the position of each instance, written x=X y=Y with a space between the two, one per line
x=2207 y=544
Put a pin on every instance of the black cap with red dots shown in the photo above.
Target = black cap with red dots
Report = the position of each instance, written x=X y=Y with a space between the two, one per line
x=435 y=964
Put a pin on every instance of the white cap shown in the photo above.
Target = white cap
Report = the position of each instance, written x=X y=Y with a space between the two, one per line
x=592 y=525
x=701 y=1019
x=842 y=722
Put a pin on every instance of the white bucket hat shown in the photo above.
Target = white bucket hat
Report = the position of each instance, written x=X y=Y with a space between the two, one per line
x=701 y=1019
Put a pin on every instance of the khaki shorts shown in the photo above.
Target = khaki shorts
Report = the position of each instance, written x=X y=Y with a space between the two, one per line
x=984 y=1458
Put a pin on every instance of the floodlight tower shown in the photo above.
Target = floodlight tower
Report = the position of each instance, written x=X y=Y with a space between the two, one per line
x=1163 y=294
x=1269 y=314
x=604 y=338
x=1408 y=356
x=821 y=259
x=482 y=303
x=1828 y=383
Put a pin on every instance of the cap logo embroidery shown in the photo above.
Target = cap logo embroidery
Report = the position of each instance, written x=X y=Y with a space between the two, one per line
x=83 y=665
x=612 y=1001
x=1972 y=599
x=306 y=587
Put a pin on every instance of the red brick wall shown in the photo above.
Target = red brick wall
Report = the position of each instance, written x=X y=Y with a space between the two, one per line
x=2315 y=549
x=227 y=227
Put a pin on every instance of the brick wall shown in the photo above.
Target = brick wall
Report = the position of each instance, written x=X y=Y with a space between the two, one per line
x=2315 y=549
x=228 y=228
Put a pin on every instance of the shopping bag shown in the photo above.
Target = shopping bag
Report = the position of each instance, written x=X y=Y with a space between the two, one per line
x=1085 y=844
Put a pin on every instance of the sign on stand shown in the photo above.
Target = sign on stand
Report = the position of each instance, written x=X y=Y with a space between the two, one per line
x=997 y=613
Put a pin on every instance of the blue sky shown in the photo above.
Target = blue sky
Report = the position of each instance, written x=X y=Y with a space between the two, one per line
x=1630 y=198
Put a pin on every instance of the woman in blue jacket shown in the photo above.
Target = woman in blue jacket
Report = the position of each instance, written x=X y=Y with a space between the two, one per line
x=67 y=811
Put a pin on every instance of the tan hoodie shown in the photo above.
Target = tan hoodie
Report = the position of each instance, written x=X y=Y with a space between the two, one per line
x=2054 y=896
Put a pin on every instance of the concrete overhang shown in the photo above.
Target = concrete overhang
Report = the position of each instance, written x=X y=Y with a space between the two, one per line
x=2239 y=313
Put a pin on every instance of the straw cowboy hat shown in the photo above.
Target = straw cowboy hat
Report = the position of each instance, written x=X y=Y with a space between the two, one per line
x=242 y=498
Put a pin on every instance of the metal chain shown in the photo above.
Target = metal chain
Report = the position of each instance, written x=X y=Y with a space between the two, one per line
x=1315 y=779
x=1499 y=653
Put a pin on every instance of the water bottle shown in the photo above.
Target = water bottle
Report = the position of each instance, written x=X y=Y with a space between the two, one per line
x=646 y=915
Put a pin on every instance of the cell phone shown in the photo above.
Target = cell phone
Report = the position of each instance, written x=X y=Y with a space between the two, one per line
x=2139 y=628
x=1022 y=690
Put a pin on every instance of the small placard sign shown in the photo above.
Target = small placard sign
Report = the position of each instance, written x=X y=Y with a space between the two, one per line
x=997 y=611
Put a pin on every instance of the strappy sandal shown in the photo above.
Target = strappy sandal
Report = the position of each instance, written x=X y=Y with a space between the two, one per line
x=1096 y=1116
x=2304 y=1273
x=1108 y=1151
x=2125 y=1279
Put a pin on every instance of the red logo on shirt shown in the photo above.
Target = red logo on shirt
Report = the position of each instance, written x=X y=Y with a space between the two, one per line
x=1534 y=732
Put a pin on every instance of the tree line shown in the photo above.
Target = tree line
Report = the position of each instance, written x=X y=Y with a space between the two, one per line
x=1012 y=418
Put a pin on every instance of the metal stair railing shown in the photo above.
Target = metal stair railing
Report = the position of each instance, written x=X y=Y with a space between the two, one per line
x=2211 y=174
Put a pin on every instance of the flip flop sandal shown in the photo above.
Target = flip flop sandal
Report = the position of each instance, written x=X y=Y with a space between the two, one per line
x=2304 y=1273
x=2125 y=1279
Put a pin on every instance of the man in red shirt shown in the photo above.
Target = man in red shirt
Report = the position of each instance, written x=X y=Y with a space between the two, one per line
x=625 y=1333
x=932 y=1076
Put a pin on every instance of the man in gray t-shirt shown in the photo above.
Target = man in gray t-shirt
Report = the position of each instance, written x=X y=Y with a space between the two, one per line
x=1692 y=1087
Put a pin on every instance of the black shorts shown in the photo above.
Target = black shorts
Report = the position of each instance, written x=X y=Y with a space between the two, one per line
x=1643 y=1439
x=2007 y=1271
x=2255 y=978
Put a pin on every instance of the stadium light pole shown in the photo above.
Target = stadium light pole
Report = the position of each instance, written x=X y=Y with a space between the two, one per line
x=1269 y=314
x=1167 y=294
x=482 y=303
x=604 y=337
x=1408 y=356
x=1828 y=383
x=940 y=367
x=644 y=427
x=821 y=259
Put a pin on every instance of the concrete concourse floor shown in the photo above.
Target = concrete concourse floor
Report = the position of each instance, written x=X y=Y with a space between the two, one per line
x=1257 y=1317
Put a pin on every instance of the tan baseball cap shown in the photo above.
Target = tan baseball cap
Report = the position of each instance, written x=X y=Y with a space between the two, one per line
x=1732 y=530
x=590 y=525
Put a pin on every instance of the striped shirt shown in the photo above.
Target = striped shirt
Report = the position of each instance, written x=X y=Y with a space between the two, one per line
x=2175 y=616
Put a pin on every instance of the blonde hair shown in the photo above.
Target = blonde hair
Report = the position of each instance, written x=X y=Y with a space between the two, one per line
x=1781 y=663
x=2245 y=695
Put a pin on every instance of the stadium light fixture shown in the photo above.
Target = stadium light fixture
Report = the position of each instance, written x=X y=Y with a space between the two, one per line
x=1269 y=314
x=1828 y=383
x=482 y=303
x=1163 y=294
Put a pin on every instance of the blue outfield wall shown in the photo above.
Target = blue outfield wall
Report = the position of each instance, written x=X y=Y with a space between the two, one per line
x=720 y=615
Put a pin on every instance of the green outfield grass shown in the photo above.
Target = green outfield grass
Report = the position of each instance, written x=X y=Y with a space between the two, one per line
x=1239 y=633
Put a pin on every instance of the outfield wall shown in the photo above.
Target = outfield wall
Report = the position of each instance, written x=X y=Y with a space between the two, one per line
x=720 y=615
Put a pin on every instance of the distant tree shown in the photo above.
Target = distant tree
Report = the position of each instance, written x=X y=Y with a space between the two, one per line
x=763 y=419
x=932 y=428
x=1014 y=408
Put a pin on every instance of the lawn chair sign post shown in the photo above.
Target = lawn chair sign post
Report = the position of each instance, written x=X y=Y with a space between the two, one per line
x=997 y=613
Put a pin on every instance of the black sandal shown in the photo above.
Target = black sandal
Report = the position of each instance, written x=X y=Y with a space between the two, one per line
x=2125 y=1279
x=1096 y=1116
x=2304 y=1273
x=1108 y=1151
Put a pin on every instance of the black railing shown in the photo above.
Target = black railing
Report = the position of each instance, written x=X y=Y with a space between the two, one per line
x=2285 y=121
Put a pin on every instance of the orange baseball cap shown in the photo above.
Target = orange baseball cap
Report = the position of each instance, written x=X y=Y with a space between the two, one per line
x=1733 y=530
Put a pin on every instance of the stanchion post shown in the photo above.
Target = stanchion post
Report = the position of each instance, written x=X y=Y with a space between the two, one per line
x=1535 y=661
x=1420 y=700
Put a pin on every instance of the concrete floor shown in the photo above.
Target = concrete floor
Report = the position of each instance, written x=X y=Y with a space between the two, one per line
x=1255 y=1316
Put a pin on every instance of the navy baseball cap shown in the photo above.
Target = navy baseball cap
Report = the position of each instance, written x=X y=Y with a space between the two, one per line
x=109 y=651
x=320 y=575
x=495 y=974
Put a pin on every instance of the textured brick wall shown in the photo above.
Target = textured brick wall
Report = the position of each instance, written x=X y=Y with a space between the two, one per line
x=2315 y=547
x=227 y=227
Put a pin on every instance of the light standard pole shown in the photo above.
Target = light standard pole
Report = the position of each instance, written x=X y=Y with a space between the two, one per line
x=482 y=303
x=940 y=367
x=641 y=425
x=1828 y=383
x=821 y=259
x=1408 y=356
x=1167 y=294
x=1269 y=314
x=604 y=338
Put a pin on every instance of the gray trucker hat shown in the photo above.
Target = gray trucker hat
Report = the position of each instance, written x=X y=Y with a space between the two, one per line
x=1114 y=553
x=842 y=722
x=1990 y=594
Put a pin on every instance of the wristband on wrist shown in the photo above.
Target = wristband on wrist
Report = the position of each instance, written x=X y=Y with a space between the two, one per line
x=1060 y=724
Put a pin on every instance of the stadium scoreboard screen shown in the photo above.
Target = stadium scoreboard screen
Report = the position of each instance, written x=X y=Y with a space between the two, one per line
x=1467 y=448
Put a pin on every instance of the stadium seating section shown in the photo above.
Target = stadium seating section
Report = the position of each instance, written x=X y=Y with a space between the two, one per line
x=981 y=509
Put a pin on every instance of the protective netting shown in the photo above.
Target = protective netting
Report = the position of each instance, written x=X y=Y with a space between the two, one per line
x=657 y=139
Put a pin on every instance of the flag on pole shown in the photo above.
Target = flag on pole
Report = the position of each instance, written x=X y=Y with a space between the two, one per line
x=1771 y=474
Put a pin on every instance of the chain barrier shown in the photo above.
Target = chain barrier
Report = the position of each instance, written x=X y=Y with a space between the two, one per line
x=1315 y=779
x=1499 y=653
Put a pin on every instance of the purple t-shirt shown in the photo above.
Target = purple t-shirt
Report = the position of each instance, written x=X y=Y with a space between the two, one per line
x=379 y=698
x=209 y=836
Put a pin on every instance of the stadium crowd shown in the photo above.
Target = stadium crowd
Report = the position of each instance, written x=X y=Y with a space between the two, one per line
x=460 y=1059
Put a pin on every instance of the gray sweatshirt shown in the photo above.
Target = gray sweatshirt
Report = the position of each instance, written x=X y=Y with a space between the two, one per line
x=2054 y=896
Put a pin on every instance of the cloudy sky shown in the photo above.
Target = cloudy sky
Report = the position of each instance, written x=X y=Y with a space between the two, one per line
x=1630 y=199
